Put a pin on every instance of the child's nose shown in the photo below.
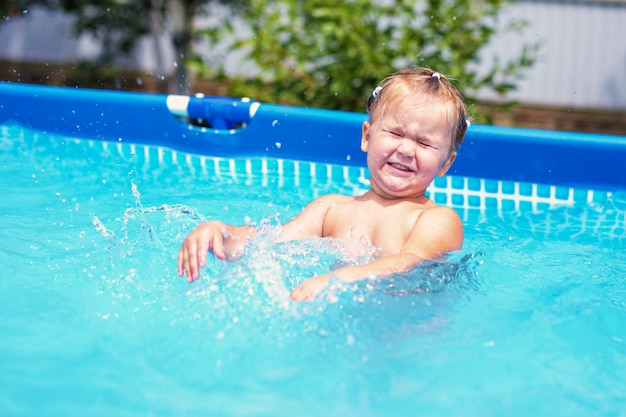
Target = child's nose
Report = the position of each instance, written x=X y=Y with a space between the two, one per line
x=406 y=147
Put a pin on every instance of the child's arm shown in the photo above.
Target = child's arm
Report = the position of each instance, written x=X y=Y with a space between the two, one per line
x=224 y=240
x=437 y=231
x=310 y=221
x=228 y=242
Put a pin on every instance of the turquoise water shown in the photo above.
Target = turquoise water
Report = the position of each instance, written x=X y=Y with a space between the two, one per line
x=528 y=319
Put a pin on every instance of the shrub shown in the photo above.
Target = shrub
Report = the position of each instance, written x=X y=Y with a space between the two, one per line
x=332 y=53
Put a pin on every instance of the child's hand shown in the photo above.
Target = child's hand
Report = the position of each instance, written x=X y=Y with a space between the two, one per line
x=309 y=288
x=208 y=236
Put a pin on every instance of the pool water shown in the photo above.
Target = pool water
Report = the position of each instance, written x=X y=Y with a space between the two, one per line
x=528 y=319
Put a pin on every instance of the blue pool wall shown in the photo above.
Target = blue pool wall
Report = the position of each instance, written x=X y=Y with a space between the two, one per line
x=578 y=160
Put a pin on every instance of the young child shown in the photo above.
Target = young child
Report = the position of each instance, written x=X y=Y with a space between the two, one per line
x=417 y=121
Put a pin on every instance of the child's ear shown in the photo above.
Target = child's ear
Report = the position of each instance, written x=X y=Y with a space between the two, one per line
x=446 y=165
x=365 y=135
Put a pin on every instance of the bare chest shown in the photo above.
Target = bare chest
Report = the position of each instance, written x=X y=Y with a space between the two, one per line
x=364 y=224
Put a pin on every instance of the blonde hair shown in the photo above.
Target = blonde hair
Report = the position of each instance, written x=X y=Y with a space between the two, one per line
x=424 y=85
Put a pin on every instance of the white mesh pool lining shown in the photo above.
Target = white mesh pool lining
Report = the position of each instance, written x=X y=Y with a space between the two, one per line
x=453 y=191
x=477 y=193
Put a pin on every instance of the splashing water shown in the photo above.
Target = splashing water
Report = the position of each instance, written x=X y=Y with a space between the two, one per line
x=271 y=271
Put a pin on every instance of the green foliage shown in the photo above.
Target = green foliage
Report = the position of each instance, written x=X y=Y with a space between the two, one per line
x=331 y=53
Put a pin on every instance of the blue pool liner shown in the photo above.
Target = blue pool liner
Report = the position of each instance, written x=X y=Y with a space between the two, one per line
x=234 y=127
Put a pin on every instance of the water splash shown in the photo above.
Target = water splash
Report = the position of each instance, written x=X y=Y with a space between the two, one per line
x=265 y=274
x=437 y=276
x=154 y=227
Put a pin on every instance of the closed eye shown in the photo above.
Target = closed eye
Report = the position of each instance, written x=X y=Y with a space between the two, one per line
x=426 y=144
x=394 y=133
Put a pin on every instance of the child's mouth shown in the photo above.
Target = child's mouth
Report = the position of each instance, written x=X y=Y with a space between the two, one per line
x=400 y=167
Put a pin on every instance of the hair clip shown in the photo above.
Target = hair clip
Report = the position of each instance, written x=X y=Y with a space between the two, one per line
x=377 y=91
x=436 y=75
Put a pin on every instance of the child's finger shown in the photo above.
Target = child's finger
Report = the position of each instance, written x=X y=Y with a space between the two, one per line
x=184 y=267
x=300 y=294
x=191 y=261
x=218 y=246
x=199 y=255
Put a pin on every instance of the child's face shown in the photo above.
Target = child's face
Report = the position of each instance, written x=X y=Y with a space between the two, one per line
x=406 y=148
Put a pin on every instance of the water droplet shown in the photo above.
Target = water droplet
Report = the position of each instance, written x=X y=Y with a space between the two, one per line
x=135 y=190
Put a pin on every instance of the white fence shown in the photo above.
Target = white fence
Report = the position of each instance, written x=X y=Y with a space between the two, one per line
x=582 y=61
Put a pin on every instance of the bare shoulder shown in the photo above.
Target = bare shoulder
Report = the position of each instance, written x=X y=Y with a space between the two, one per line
x=310 y=221
x=333 y=198
x=439 y=214
x=440 y=228
x=324 y=202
